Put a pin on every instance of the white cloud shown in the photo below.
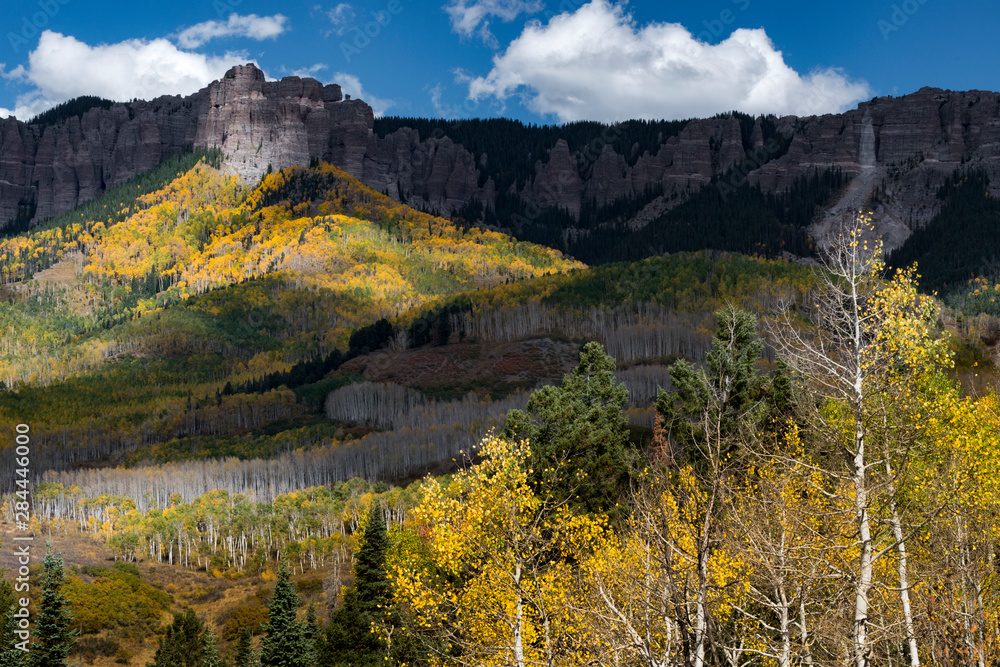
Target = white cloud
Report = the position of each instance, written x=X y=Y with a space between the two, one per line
x=312 y=71
x=252 y=26
x=472 y=17
x=62 y=67
x=16 y=74
x=342 y=17
x=28 y=106
x=440 y=109
x=445 y=109
x=596 y=64
x=351 y=85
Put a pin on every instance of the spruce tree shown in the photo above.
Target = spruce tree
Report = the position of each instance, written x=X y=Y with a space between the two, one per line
x=371 y=583
x=245 y=654
x=285 y=643
x=9 y=655
x=7 y=596
x=579 y=435
x=54 y=640
x=729 y=393
x=349 y=636
x=313 y=632
x=183 y=644
x=210 y=650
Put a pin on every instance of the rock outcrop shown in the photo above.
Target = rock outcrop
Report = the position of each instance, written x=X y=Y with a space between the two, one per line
x=256 y=123
x=903 y=147
x=59 y=167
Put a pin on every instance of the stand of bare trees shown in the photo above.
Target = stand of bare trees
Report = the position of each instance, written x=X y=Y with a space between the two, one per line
x=628 y=332
x=379 y=456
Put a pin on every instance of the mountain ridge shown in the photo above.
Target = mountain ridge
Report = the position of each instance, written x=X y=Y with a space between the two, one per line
x=903 y=147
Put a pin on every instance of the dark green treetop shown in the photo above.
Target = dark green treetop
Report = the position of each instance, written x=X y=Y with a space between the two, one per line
x=579 y=434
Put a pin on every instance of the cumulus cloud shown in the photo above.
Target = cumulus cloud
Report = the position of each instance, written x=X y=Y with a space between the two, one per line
x=351 y=85
x=597 y=64
x=252 y=26
x=62 y=67
x=472 y=17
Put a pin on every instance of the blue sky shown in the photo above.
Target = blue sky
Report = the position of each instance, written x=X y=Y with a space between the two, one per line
x=537 y=60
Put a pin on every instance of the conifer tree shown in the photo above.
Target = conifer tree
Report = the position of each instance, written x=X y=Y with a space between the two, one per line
x=182 y=645
x=54 y=639
x=313 y=631
x=245 y=654
x=580 y=429
x=7 y=597
x=285 y=643
x=349 y=636
x=210 y=650
x=716 y=402
x=371 y=585
x=9 y=655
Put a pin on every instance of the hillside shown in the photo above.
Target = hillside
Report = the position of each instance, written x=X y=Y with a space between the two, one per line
x=598 y=192
x=218 y=378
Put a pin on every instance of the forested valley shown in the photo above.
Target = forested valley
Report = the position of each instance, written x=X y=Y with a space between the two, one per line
x=302 y=424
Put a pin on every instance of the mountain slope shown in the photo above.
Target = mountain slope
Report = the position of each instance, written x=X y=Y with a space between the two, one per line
x=555 y=184
x=318 y=232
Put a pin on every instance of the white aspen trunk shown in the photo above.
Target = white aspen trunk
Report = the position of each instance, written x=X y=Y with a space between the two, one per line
x=981 y=612
x=966 y=565
x=865 y=577
x=784 y=626
x=862 y=643
x=518 y=621
x=701 y=617
x=804 y=630
x=904 y=582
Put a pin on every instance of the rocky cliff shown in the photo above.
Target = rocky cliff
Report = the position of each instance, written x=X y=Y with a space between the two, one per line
x=897 y=151
x=255 y=122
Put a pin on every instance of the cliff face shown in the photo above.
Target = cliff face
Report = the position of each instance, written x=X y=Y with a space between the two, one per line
x=255 y=122
x=59 y=167
x=901 y=148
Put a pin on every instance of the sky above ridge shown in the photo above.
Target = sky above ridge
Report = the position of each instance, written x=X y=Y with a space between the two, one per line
x=541 y=61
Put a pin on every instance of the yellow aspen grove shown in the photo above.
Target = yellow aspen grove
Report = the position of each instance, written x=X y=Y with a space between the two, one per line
x=778 y=534
x=649 y=589
x=497 y=586
x=955 y=554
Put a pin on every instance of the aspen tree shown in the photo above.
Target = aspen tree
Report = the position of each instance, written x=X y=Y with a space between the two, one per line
x=871 y=338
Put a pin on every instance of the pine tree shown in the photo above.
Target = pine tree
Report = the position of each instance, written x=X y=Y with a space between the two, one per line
x=579 y=428
x=285 y=643
x=54 y=639
x=9 y=655
x=730 y=390
x=371 y=584
x=210 y=650
x=313 y=632
x=182 y=645
x=245 y=654
x=7 y=596
x=349 y=636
